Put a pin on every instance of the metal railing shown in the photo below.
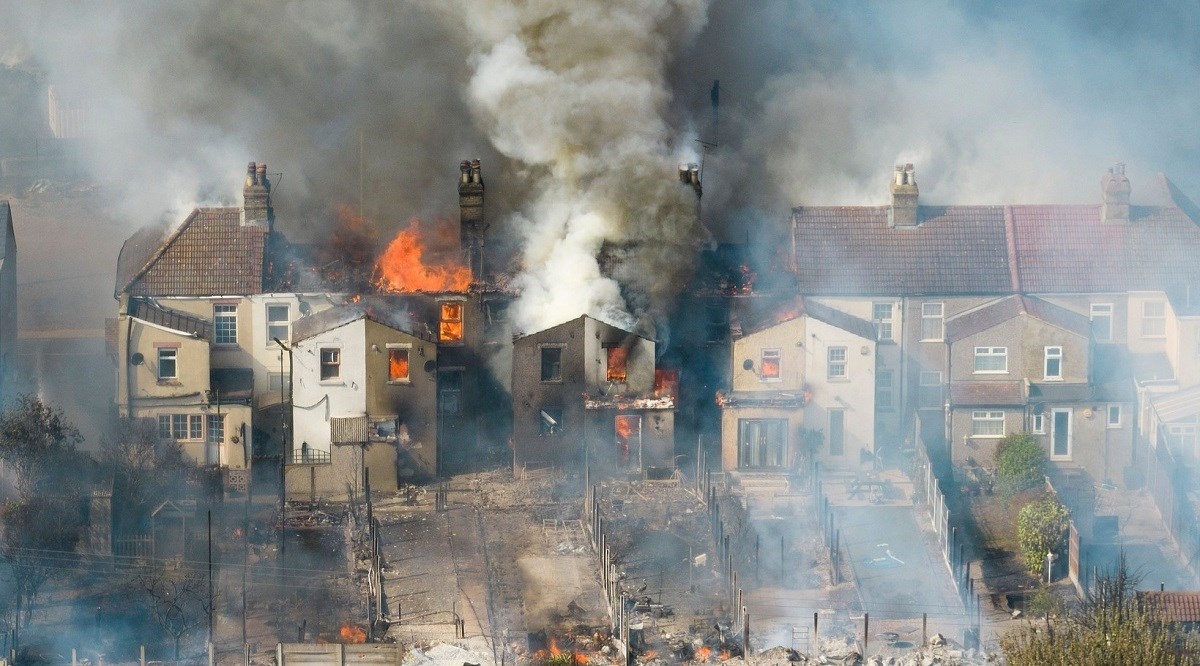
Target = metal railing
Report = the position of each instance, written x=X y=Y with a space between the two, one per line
x=309 y=457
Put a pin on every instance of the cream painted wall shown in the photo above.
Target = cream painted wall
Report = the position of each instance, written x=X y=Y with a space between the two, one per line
x=788 y=337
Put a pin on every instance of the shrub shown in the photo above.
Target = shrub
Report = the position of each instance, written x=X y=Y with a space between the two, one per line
x=1041 y=529
x=1020 y=464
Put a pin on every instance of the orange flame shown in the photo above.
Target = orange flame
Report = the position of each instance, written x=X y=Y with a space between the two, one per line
x=724 y=655
x=703 y=653
x=581 y=658
x=554 y=651
x=397 y=364
x=402 y=268
x=352 y=634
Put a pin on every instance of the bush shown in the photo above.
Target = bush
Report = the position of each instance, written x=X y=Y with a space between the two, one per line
x=1020 y=464
x=1041 y=529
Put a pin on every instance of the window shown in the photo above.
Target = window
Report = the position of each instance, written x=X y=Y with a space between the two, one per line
x=991 y=359
x=932 y=320
x=550 y=421
x=837 y=432
x=398 y=364
x=837 y=362
x=769 y=367
x=551 y=364
x=1114 y=416
x=762 y=442
x=278 y=324
x=881 y=316
x=225 y=324
x=616 y=357
x=1038 y=426
x=450 y=389
x=883 y=389
x=1154 y=319
x=1053 y=365
x=1102 y=316
x=180 y=426
x=987 y=424
x=216 y=428
x=450 y=328
x=930 y=390
x=277 y=381
x=331 y=363
x=168 y=363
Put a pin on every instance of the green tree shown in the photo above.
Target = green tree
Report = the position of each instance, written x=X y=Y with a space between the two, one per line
x=1020 y=464
x=1109 y=629
x=1041 y=528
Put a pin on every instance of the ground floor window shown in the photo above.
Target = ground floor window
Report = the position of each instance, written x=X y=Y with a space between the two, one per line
x=987 y=424
x=762 y=442
x=180 y=426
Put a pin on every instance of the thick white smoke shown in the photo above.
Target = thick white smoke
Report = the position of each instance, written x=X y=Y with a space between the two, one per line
x=576 y=95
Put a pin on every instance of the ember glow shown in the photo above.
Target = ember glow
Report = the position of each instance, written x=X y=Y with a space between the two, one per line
x=703 y=653
x=350 y=633
x=402 y=267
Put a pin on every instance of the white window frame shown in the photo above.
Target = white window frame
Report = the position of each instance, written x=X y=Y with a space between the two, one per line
x=406 y=346
x=1070 y=433
x=1038 y=424
x=933 y=314
x=837 y=368
x=991 y=353
x=335 y=362
x=225 y=313
x=168 y=354
x=989 y=418
x=762 y=363
x=1110 y=413
x=924 y=384
x=190 y=425
x=1104 y=310
x=277 y=328
x=883 y=321
x=885 y=389
x=1157 y=322
x=1052 y=353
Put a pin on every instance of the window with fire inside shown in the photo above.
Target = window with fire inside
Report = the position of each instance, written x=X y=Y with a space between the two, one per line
x=450 y=323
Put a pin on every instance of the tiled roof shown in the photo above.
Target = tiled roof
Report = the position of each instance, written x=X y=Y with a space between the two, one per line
x=1174 y=606
x=211 y=254
x=842 y=250
x=999 y=311
x=987 y=394
x=1044 y=249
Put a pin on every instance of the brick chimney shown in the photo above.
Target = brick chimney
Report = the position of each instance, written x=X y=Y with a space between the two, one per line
x=689 y=174
x=257 y=209
x=1115 y=192
x=903 y=212
x=470 y=207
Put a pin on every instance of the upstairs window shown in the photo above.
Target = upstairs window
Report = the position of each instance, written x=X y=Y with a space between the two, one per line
x=551 y=364
x=1053 y=364
x=883 y=389
x=1154 y=319
x=932 y=322
x=225 y=324
x=837 y=362
x=769 y=365
x=616 y=357
x=881 y=316
x=450 y=326
x=168 y=363
x=930 y=392
x=331 y=363
x=398 y=364
x=991 y=359
x=278 y=323
x=1102 y=319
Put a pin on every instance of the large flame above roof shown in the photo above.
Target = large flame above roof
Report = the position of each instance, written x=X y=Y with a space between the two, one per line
x=404 y=267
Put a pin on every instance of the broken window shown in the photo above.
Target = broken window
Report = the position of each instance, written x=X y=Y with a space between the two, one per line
x=550 y=420
x=450 y=327
x=168 y=363
x=769 y=365
x=552 y=364
x=397 y=364
x=616 y=364
x=277 y=323
x=331 y=363
x=225 y=324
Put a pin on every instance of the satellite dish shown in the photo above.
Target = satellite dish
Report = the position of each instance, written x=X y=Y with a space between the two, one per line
x=747 y=364
x=430 y=366
x=137 y=358
x=305 y=308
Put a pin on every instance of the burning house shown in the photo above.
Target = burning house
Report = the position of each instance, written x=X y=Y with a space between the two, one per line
x=8 y=302
x=364 y=397
x=588 y=391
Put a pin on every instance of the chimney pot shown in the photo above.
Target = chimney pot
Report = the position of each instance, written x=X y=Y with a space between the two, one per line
x=903 y=211
x=1115 y=195
x=256 y=204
